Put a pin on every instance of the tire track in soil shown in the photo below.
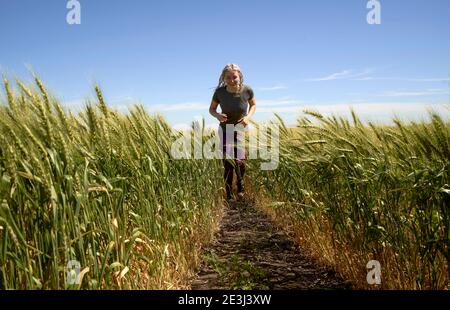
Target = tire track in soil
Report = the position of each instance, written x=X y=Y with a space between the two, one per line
x=249 y=252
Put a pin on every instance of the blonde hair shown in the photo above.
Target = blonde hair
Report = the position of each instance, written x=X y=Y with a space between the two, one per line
x=231 y=67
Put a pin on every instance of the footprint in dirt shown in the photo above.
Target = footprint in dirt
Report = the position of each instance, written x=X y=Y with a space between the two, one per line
x=249 y=252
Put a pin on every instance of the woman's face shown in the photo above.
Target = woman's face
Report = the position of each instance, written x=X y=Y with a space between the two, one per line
x=232 y=78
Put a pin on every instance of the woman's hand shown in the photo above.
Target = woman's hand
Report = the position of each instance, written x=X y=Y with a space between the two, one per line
x=245 y=121
x=222 y=117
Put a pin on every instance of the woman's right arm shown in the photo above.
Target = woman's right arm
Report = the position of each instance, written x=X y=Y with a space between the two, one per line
x=213 y=111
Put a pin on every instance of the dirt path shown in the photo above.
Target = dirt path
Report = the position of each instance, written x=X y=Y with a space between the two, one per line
x=248 y=252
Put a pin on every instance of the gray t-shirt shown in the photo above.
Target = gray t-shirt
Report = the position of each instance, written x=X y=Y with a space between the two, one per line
x=235 y=106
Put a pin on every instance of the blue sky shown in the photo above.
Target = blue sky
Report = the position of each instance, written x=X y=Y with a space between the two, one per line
x=295 y=54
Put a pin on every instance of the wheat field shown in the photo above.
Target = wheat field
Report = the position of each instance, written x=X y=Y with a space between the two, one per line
x=100 y=187
x=353 y=193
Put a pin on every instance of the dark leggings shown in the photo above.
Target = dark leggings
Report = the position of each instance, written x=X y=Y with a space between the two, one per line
x=239 y=167
x=233 y=164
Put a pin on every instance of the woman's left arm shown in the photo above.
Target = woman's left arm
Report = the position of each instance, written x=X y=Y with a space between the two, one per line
x=252 y=103
x=246 y=119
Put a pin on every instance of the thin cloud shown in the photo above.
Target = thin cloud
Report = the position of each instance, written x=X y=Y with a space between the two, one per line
x=74 y=104
x=370 y=78
x=276 y=102
x=291 y=109
x=428 y=92
x=342 y=75
x=361 y=108
x=273 y=88
x=365 y=75
x=334 y=76
x=121 y=104
x=187 y=106
x=384 y=112
x=198 y=106
x=370 y=107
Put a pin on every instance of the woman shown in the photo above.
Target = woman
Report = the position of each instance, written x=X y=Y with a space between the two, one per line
x=234 y=98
